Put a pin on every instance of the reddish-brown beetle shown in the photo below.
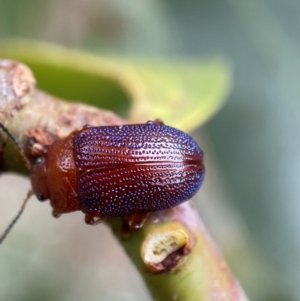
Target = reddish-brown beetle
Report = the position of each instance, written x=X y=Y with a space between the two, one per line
x=118 y=170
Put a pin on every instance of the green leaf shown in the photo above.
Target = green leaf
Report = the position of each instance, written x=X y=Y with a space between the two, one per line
x=184 y=94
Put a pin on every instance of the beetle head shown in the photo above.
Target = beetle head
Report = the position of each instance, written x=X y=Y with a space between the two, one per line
x=39 y=179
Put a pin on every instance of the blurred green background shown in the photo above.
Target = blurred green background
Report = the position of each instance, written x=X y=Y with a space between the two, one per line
x=249 y=199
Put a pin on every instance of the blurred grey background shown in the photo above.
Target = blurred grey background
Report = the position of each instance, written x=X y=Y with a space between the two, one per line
x=250 y=200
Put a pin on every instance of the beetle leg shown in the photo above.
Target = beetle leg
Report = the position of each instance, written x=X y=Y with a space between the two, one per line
x=56 y=214
x=136 y=220
x=92 y=220
x=132 y=222
x=158 y=121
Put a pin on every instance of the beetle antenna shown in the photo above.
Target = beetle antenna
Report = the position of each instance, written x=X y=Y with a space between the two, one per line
x=13 y=139
x=13 y=222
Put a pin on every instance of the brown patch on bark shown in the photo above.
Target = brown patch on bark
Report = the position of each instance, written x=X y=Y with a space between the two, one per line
x=37 y=140
x=22 y=79
x=170 y=263
x=17 y=81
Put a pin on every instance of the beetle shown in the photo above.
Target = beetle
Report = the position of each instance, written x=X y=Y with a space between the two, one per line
x=126 y=170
